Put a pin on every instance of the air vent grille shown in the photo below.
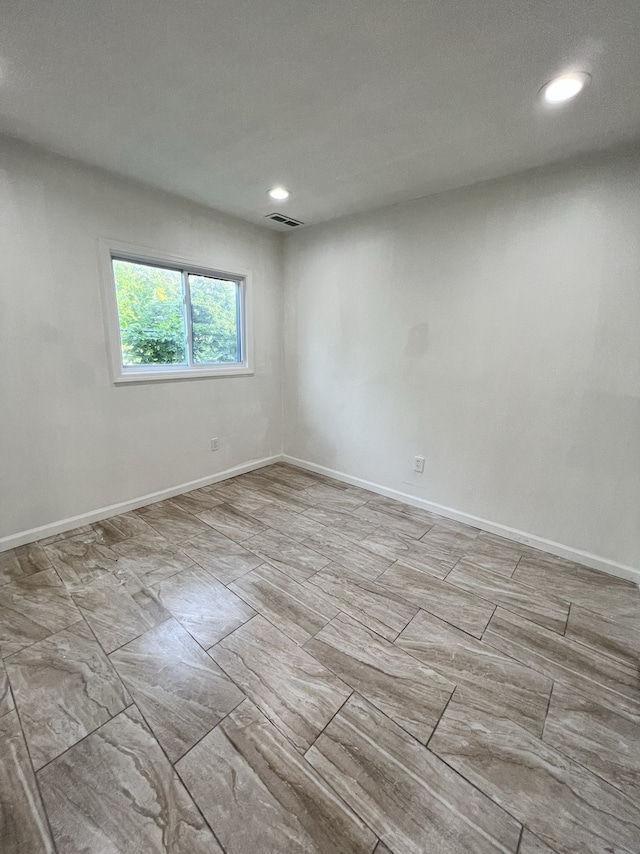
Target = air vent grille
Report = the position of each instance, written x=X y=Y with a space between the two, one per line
x=284 y=220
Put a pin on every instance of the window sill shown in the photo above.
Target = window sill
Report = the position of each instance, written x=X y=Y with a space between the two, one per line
x=181 y=374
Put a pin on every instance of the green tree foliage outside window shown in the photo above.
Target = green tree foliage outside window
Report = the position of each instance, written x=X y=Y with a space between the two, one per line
x=152 y=318
x=214 y=318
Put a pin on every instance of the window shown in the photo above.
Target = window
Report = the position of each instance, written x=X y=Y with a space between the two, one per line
x=173 y=320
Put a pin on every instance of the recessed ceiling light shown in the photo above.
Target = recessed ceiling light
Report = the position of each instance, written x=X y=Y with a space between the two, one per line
x=279 y=194
x=565 y=87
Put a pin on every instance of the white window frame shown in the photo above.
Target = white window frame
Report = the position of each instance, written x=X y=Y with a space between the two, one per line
x=110 y=249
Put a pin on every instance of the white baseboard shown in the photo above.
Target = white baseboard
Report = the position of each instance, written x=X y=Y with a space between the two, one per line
x=587 y=558
x=576 y=555
x=33 y=534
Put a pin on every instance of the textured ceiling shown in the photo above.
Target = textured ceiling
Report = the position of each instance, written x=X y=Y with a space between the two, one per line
x=352 y=105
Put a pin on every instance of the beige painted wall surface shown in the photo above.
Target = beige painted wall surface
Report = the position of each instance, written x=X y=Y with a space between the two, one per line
x=70 y=441
x=494 y=330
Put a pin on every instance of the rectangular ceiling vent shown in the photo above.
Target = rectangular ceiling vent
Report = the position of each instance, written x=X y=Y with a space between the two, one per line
x=284 y=220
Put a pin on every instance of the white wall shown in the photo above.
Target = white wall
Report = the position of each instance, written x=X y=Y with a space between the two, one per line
x=495 y=330
x=70 y=441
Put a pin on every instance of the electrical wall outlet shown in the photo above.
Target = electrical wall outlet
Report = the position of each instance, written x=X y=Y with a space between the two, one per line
x=214 y=444
x=418 y=464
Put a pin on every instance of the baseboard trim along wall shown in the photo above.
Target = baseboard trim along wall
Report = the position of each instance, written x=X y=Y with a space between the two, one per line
x=33 y=534
x=594 y=561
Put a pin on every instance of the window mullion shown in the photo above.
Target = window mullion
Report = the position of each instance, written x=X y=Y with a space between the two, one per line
x=240 y=313
x=186 y=291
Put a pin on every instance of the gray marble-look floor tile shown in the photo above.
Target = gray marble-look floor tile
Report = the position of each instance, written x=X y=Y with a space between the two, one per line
x=298 y=610
x=450 y=603
x=318 y=478
x=485 y=678
x=241 y=497
x=278 y=493
x=530 y=844
x=118 y=607
x=196 y=501
x=23 y=823
x=235 y=524
x=563 y=803
x=173 y=523
x=83 y=530
x=204 y=606
x=295 y=559
x=297 y=693
x=180 y=691
x=406 y=794
x=380 y=610
x=151 y=557
x=412 y=552
x=542 y=608
x=390 y=505
x=64 y=688
x=117 y=792
x=119 y=528
x=22 y=562
x=222 y=557
x=619 y=640
x=295 y=478
x=81 y=560
x=334 y=497
x=402 y=687
x=340 y=522
x=6 y=700
x=445 y=541
x=33 y=608
x=562 y=658
x=381 y=848
x=353 y=555
x=489 y=551
x=260 y=795
x=605 y=740
x=614 y=598
x=401 y=523
x=297 y=526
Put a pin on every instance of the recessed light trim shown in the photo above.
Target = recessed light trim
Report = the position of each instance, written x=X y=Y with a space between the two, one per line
x=565 y=87
x=279 y=194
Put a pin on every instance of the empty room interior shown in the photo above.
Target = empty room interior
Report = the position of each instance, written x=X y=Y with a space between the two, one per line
x=320 y=427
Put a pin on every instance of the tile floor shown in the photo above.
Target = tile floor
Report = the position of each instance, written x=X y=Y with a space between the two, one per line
x=282 y=663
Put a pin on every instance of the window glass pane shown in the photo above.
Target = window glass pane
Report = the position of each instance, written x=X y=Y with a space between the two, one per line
x=215 y=312
x=151 y=313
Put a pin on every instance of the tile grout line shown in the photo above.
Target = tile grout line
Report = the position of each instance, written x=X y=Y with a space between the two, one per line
x=110 y=663
x=588 y=649
x=273 y=722
x=371 y=702
x=215 y=726
x=442 y=713
x=508 y=607
x=477 y=788
x=516 y=566
x=589 y=771
x=566 y=622
x=546 y=714
x=270 y=621
x=87 y=734
x=33 y=770
x=329 y=785
x=84 y=738
x=177 y=773
x=444 y=761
